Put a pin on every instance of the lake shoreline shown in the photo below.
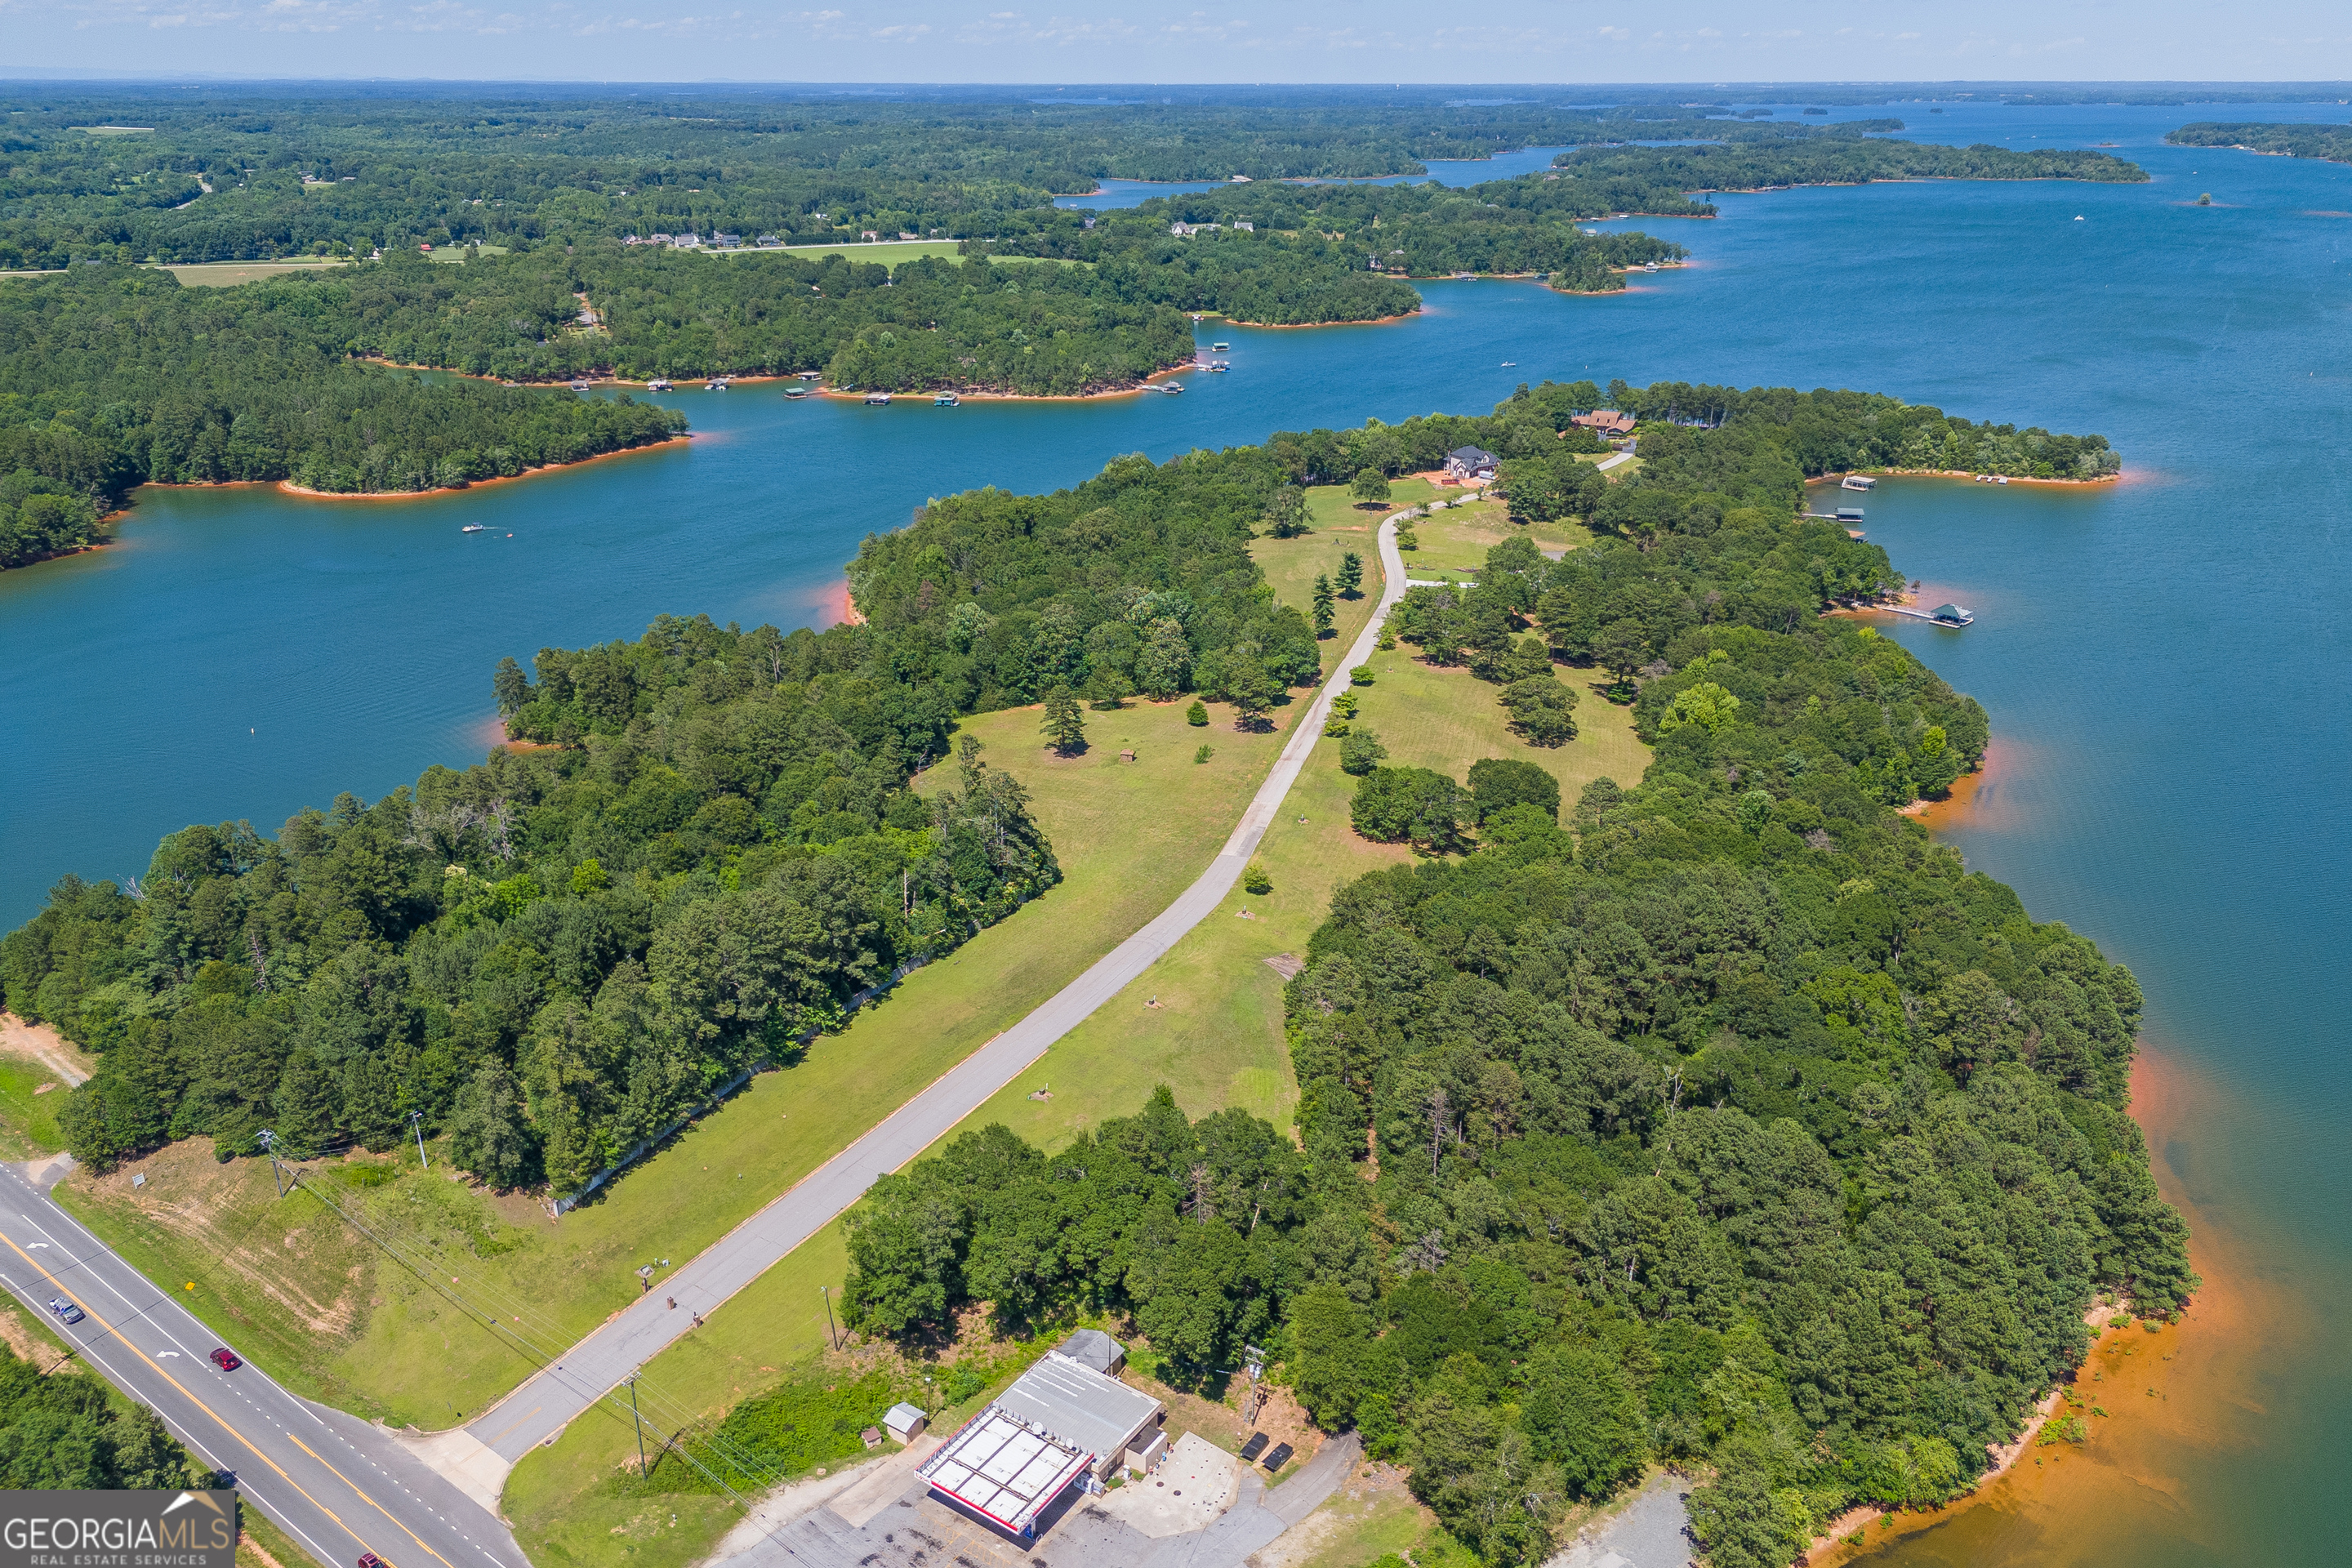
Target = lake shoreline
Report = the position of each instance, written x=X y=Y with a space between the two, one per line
x=288 y=487
x=2114 y=479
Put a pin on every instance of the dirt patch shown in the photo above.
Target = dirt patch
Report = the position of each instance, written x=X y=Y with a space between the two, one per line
x=19 y=1336
x=299 y=1256
x=44 y=1045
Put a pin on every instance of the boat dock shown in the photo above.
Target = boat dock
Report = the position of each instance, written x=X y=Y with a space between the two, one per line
x=1942 y=614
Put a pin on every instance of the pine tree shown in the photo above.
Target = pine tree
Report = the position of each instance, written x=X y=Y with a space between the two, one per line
x=1322 y=605
x=1352 y=575
x=1065 y=726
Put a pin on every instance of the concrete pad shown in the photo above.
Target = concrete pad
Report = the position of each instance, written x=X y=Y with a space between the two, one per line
x=885 y=1481
x=463 y=1460
x=1194 y=1485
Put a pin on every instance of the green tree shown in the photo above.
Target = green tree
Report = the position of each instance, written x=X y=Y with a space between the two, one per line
x=1360 y=751
x=1352 y=575
x=1706 y=704
x=1252 y=692
x=1323 y=608
x=1285 y=513
x=1622 y=649
x=1369 y=487
x=1416 y=804
x=487 y=1133
x=1065 y=727
x=1497 y=782
x=1165 y=662
x=1541 y=710
x=509 y=685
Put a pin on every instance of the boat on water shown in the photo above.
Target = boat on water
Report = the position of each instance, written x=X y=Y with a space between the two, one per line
x=657 y=384
x=1510 y=364
x=475 y=528
x=716 y=383
x=1857 y=482
x=879 y=399
x=1218 y=367
x=947 y=400
x=1172 y=386
x=579 y=386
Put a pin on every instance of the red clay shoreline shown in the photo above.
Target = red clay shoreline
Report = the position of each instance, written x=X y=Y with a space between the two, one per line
x=2115 y=477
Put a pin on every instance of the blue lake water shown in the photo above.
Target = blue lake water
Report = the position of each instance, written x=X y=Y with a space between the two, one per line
x=2166 y=661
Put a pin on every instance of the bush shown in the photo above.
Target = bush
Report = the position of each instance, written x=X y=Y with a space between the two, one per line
x=1539 y=710
x=1255 y=880
x=1360 y=676
x=1205 y=754
x=1360 y=753
x=1408 y=540
x=1197 y=715
x=1411 y=805
x=1498 y=782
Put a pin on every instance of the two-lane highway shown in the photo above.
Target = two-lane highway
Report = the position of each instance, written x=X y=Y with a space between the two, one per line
x=341 y=1486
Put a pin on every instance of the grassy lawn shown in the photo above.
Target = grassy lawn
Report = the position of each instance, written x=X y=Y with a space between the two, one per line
x=29 y=1096
x=455 y=255
x=1291 y=566
x=226 y=274
x=378 y=1342
x=1455 y=542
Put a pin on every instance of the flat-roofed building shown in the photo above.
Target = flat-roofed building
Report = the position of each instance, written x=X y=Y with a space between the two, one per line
x=1060 y=1422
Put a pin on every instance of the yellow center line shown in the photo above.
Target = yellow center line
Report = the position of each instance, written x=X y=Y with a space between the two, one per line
x=63 y=1288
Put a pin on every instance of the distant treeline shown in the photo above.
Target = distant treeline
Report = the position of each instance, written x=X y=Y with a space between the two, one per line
x=117 y=376
x=2332 y=143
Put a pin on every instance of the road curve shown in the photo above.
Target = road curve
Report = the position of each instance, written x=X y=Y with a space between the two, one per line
x=339 y=1484
x=541 y=1409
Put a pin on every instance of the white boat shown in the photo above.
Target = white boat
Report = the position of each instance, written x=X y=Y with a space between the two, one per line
x=1510 y=364
x=475 y=528
x=1857 y=482
x=716 y=383
x=657 y=384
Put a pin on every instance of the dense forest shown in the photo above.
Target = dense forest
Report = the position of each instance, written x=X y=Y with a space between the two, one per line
x=116 y=376
x=69 y=1431
x=1724 y=1117
x=41 y=517
x=1832 y=158
x=2332 y=143
x=137 y=172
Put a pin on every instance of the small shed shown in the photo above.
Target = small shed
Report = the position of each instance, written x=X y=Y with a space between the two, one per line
x=1093 y=1347
x=904 y=1422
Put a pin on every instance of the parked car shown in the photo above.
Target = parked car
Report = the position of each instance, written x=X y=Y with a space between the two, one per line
x=66 y=1310
x=226 y=1360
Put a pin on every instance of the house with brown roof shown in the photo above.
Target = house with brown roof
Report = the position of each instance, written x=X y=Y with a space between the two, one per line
x=1606 y=422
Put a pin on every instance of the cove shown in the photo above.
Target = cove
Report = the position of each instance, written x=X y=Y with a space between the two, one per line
x=2164 y=661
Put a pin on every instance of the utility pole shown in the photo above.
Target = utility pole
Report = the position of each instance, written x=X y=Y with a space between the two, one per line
x=832 y=1334
x=641 y=1425
x=417 y=1125
x=269 y=1147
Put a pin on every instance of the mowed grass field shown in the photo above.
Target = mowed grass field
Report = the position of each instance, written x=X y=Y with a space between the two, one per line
x=1130 y=837
x=1455 y=541
x=228 y=274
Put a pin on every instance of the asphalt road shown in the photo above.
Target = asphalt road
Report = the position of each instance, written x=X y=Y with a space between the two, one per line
x=538 y=1410
x=337 y=1484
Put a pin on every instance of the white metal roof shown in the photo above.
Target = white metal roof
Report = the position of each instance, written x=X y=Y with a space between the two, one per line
x=1003 y=1467
x=1079 y=1405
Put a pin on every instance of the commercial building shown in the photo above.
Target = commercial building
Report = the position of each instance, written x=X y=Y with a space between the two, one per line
x=1067 y=1421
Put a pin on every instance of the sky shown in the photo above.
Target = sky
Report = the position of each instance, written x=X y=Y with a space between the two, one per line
x=1520 y=41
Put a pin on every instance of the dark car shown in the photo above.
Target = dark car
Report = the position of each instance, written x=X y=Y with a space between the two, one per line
x=226 y=1360
x=66 y=1310
x=370 y=1559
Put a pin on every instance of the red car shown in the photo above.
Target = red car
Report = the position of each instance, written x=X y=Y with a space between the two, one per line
x=226 y=1360
x=370 y=1559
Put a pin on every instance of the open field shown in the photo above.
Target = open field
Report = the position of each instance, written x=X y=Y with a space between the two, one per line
x=455 y=255
x=338 y=1326
x=1455 y=542
x=228 y=274
x=30 y=1094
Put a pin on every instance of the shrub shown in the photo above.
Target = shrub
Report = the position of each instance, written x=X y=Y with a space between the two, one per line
x=1255 y=880
x=1360 y=753
x=1197 y=715
x=1203 y=754
x=1361 y=675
